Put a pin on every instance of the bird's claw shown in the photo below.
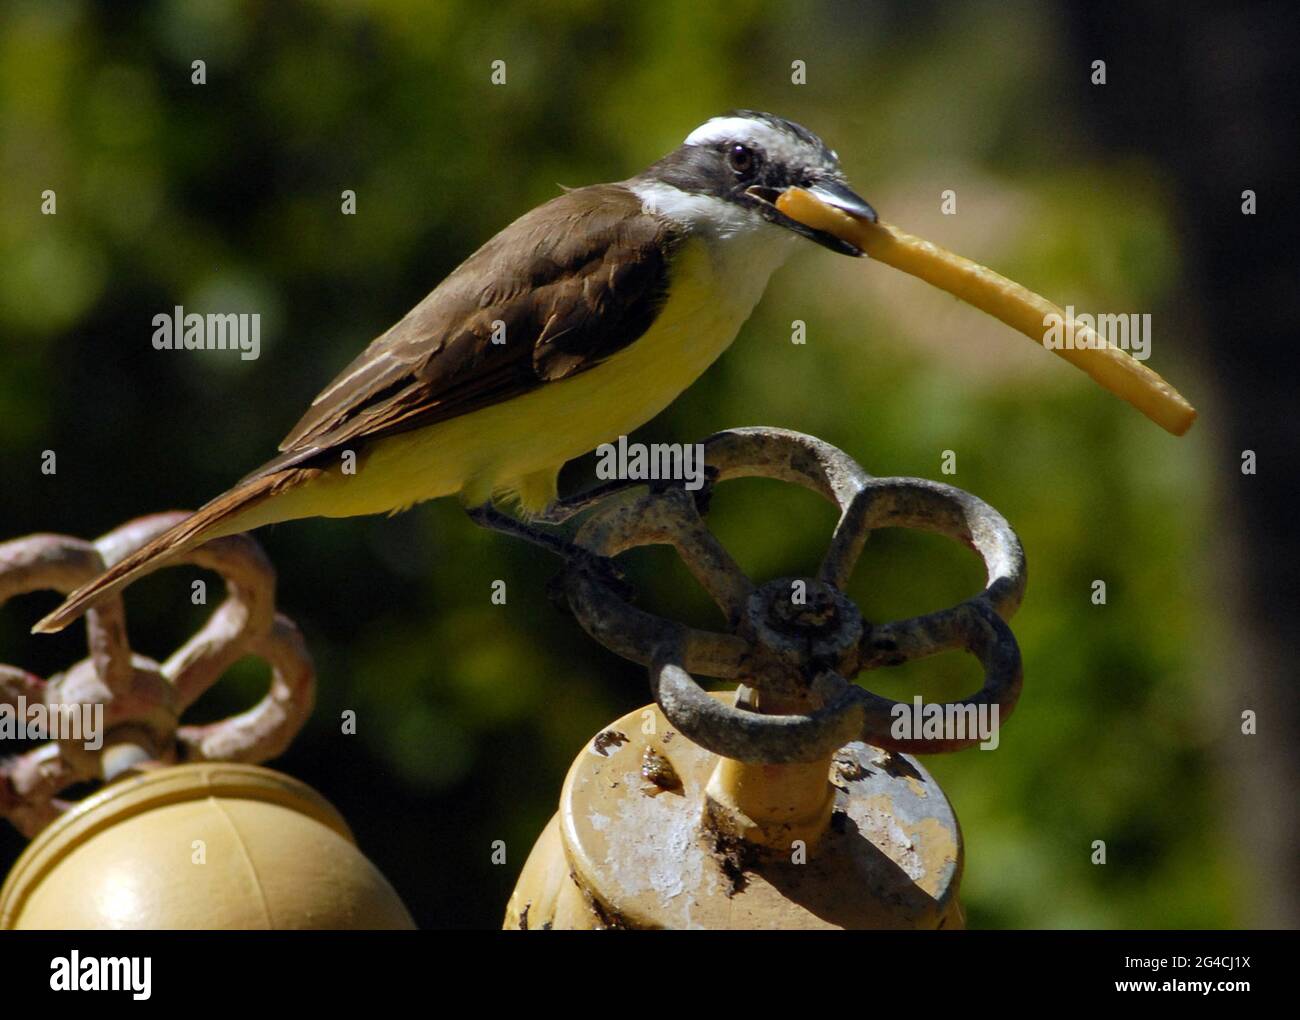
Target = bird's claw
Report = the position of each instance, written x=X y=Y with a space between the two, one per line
x=702 y=497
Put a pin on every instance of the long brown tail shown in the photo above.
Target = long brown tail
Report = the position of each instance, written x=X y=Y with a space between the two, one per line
x=202 y=525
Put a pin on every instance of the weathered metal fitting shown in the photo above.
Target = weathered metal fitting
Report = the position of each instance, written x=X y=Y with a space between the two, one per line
x=141 y=700
x=804 y=625
x=778 y=644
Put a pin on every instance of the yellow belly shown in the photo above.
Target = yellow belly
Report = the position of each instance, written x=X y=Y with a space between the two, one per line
x=520 y=445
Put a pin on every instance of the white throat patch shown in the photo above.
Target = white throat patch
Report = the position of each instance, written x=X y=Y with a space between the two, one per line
x=744 y=249
x=705 y=215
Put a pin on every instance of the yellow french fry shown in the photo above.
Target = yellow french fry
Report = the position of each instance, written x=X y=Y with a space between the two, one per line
x=1020 y=308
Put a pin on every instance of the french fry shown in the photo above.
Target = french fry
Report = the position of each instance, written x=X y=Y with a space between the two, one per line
x=1112 y=368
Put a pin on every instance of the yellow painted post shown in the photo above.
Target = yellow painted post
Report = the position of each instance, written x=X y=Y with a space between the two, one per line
x=642 y=840
x=210 y=845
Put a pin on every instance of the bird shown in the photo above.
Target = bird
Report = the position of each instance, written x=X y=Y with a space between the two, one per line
x=576 y=324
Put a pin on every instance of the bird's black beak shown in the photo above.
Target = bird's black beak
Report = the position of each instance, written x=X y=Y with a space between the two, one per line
x=828 y=191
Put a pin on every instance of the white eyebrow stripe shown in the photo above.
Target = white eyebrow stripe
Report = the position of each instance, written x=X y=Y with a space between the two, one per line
x=779 y=145
x=722 y=128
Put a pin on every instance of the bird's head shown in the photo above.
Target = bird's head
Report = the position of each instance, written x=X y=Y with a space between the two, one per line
x=730 y=171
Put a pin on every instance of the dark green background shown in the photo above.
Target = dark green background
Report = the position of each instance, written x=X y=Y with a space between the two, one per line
x=226 y=197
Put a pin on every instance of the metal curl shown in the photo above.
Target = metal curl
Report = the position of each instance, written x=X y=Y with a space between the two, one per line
x=142 y=700
x=983 y=633
x=265 y=730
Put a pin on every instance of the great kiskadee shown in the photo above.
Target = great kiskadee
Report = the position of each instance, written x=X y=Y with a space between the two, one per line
x=578 y=323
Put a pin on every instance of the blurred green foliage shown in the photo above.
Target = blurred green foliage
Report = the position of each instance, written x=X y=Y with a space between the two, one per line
x=226 y=195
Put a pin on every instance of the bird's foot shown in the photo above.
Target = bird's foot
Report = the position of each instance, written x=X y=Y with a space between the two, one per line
x=601 y=568
x=563 y=510
x=703 y=496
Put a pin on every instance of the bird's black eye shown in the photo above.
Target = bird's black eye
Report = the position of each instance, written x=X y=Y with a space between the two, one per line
x=742 y=159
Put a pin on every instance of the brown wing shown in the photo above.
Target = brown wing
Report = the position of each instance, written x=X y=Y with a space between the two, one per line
x=573 y=281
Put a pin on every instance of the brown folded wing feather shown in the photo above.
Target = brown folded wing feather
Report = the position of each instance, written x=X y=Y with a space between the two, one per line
x=573 y=281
